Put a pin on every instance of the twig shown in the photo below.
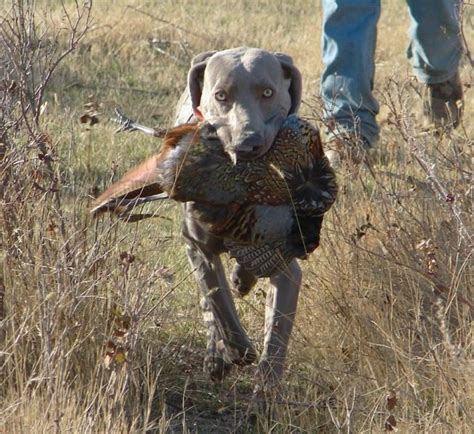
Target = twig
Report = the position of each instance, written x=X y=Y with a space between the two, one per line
x=451 y=388
x=168 y=293
x=118 y=88
x=467 y=52
x=176 y=26
x=438 y=286
x=77 y=34
x=165 y=53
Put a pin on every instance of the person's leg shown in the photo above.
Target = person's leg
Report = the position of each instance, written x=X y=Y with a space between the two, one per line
x=435 y=48
x=435 y=52
x=348 y=45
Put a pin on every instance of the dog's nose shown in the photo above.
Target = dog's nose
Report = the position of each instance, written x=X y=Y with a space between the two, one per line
x=249 y=147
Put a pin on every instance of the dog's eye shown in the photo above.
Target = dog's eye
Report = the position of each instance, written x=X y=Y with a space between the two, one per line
x=220 y=95
x=267 y=93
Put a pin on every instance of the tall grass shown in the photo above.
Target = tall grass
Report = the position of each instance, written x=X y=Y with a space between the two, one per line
x=100 y=321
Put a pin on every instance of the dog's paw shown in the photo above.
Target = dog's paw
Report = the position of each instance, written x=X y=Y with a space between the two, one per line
x=219 y=360
x=216 y=367
x=237 y=354
x=242 y=280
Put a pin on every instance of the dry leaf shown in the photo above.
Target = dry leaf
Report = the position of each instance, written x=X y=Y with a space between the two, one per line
x=110 y=348
x=115 y=348
x=390 y=423
x=8 y=86
x=391 y=400
x=91 y=114
x=108 y=361
x=120 y=356
x=90 y=118
x=127 y=258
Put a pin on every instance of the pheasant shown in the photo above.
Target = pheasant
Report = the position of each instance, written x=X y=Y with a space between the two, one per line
x=268 y=210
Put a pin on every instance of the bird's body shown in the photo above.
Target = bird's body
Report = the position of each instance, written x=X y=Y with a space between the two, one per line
x=259 y=207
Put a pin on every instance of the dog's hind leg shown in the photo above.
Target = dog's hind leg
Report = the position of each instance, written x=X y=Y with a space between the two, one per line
x=279 y=316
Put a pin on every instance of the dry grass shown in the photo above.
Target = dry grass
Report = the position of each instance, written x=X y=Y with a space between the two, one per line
x=100 y=327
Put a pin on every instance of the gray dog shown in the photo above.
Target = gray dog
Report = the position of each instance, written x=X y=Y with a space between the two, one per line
x=246 y=94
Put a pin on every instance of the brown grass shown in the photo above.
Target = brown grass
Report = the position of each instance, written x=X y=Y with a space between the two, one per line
x=100 y=327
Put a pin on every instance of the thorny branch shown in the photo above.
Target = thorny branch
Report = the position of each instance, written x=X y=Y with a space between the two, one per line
x=417 y=148
x=30 y=53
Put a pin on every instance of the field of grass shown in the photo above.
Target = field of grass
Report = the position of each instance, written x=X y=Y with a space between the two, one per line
x=100 y=323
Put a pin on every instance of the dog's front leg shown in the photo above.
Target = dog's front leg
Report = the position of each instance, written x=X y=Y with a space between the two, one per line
x=280 y=312
x=228 y=342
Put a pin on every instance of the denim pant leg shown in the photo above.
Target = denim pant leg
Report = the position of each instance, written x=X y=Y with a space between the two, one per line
x=435 y=48
x=348 y=45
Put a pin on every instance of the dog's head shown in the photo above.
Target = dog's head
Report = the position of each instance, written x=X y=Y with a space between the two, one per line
x=246 y=94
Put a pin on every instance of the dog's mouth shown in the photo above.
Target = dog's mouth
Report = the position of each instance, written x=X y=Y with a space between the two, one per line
x=254 y=143
x=247 y=145
x=238 y=156
x=248 y=153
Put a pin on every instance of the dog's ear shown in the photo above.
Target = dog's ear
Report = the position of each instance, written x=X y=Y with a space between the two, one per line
x=196 y=76
x=201 y=57
x=296 y=84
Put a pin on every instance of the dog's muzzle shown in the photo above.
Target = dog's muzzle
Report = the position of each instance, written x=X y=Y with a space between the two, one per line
x=250 y=147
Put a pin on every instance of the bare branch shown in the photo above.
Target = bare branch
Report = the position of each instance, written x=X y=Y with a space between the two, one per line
x=176 y=26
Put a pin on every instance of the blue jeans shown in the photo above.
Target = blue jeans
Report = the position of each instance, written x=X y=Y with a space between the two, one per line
x=348 y=46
